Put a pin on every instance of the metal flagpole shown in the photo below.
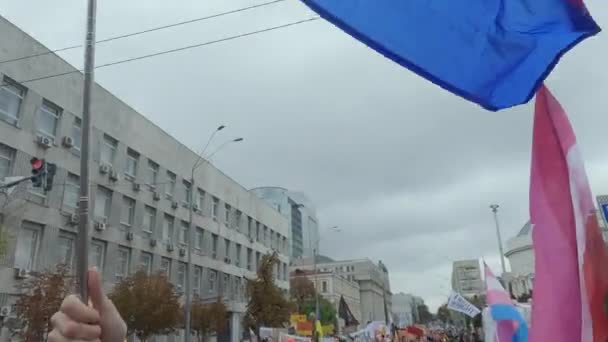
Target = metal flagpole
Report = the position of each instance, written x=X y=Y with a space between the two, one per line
x=83 y=206
x=494 y=208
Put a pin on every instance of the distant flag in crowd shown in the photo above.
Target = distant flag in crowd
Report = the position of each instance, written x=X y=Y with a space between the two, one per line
x=493 y=52
x=571 y=260
x=510 y=324
x=458 y=303
x=345 y=313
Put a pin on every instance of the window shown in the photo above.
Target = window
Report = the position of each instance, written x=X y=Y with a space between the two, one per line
x=227 y=249
x=187 y=189
x=11 y=96
x=103 y=202
x=227 y=215
x=226 y=284
x=181 y=276
x=324 y=286
x=257 y=231
x=171 y=179
x=249 y=261
x=265 y=236
x=97 y=253
x=132 y=163
x=152 y=174
x=28 y=242
x=77 y=132
x=149 y=221
x=214 y=246
x=122 y=264
x=257 y=259
x=66 y=249
x=199 y=238
x=237 y=261
x=284 y=271
x=168 y=229
x=71 y=191
x=107 y=150
x=128 y=211
x=183 y=232
x=237 y=220
x=212 y=280
x=214 y=207
x=201 y=199
x=165 y=267
x=250 y=227
x=7 y=155
x=145 y=262
x=198 y=276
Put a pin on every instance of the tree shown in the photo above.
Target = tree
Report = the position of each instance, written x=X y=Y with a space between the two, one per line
x=443 y=313
x=424 y=315
x=302 y=290
x=267 y=306
x=148 y=304
x=208 y=318
x=327 y=311
x=40 y=297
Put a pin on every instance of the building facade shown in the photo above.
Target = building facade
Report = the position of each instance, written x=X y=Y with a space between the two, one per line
x=466 y=278
x=374 y=286
x=405 y=309
x=302 y=217
x=140 y=191
x=331 y=286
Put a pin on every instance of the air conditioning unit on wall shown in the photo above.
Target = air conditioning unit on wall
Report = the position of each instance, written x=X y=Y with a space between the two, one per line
x=43 y=141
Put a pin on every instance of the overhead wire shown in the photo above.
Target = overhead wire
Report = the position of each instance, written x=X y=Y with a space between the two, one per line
x=160 y=53
x=154 y=29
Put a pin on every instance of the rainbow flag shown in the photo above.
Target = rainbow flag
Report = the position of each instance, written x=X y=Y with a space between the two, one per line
x=571 y=259
x=510 y=324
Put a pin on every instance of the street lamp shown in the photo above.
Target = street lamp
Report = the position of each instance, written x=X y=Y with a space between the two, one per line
x=196 y=165
x=494 y=208
x=224 y=145
x=314 y=258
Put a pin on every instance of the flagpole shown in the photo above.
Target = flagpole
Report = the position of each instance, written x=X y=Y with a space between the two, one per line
x=494 y=208
x=82 y=245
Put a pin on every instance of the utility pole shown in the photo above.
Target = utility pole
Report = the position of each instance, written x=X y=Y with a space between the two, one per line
x=188 y=304
x=83 y=204
x=494 y=208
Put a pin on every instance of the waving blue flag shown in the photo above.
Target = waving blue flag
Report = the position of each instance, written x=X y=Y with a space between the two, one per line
x=493 y=52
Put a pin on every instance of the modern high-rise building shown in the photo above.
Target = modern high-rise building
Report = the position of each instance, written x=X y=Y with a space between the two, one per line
x=302 y=217
x=466 y=278
x=373 y=280
x=140 y=191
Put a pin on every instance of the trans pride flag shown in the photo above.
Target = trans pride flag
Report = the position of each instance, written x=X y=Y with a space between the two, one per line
x=510 y=324
x=571 y=259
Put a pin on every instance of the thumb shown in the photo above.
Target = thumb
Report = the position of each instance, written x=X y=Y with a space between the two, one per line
x=96 y=295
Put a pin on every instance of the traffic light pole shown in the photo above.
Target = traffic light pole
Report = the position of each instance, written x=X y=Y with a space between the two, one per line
x=83 y=204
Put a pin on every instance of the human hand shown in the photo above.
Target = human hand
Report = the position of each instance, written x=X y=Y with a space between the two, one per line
x=76 y=322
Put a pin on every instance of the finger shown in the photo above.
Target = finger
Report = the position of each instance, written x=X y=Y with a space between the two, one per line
x=96 y=294
x=75 y=309
x=74 y=330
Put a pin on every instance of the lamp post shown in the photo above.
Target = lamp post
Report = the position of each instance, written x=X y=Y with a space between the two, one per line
x=195 y=166
x=314 y=258
x=494 y=208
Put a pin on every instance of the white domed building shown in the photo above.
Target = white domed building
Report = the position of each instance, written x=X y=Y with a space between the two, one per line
x=520 y=252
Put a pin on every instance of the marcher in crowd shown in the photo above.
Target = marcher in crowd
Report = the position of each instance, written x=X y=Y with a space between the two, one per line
x=77 y=322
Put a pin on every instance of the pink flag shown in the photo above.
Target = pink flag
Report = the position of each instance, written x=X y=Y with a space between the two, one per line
x=571 y=259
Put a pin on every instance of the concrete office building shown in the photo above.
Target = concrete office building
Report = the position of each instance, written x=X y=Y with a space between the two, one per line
x=405 y=309
x=302 y=217
x=139 y=187
x=332 y=285
x=373 y=280
x=466 y=278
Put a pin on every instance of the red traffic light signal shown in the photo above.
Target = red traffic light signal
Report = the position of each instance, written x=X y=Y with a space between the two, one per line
x=37 y=164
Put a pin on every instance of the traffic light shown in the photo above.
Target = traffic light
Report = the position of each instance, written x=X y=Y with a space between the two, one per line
x=38 y=170
x=50 y=170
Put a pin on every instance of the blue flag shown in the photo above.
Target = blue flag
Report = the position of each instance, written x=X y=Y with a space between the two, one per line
x=493 y=52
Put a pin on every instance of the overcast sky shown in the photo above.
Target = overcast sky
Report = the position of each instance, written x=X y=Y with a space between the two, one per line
x=406 y=169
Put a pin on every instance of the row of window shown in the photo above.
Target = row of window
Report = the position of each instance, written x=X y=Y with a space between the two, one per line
x=29 y=245
x=47 y=119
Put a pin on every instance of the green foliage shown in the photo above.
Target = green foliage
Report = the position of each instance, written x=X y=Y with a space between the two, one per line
x=267 y=306
x=443 y=314
x=327 y=310
x=208 y=318
x=424 y=315
x=148 y=304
